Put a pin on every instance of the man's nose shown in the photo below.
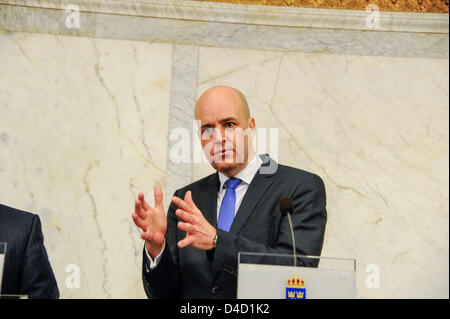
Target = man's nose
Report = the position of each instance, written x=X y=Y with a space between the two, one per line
x=219 y=136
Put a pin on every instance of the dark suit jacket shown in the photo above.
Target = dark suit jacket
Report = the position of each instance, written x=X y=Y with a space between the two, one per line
x=257 y=227
x=27 y=270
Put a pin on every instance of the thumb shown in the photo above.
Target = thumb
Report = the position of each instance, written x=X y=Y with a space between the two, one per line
x=157 y=190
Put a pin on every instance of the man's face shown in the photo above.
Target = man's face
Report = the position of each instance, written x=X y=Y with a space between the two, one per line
x=225 y=130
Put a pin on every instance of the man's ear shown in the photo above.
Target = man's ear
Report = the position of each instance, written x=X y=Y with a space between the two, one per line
x=252 y=126
x=251 y=123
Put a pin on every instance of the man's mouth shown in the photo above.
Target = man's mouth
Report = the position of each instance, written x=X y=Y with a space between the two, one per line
x=223 y=152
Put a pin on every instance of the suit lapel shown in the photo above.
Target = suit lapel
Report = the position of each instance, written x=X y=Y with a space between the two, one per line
x=207 y=202
x=208 y=199
x=257 y=188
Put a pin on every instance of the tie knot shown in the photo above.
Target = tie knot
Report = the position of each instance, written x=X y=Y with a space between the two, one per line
x=233 y=183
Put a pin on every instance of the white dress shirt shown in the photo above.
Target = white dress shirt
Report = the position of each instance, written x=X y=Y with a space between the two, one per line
x=246 y=176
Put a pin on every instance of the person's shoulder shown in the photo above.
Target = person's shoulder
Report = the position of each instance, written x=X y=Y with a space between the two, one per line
x=285 y=171
x=15 y=216
x=298 y=175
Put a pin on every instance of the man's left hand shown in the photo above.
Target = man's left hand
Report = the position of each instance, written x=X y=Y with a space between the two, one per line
x=200 y=233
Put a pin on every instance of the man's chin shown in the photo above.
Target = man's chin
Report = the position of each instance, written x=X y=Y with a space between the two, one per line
x=224 y=167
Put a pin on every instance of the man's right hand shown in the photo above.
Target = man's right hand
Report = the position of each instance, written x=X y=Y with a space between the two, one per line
x=152 y=222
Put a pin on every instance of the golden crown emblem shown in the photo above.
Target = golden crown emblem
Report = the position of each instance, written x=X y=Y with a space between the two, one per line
x=296 y=294
x=295 y=282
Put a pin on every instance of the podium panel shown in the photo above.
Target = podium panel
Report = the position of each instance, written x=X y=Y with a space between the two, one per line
x=13 y=296
x=2 y=262
x=273 y=276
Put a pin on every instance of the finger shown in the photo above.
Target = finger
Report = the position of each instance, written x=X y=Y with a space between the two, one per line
x=139 y=210
x=138 y=207
x=181 y=204
x=189 y=201
x=157 y=190
x=185 y=242
x=139 y=222
x=145 y=206
x=185 y=216
x=188 y=197
x=189 y=228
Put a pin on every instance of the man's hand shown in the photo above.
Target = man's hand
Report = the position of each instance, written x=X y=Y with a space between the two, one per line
x=199 y=232
x=152 y=222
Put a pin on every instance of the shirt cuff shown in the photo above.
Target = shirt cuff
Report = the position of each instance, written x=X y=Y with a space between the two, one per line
x=154 y=263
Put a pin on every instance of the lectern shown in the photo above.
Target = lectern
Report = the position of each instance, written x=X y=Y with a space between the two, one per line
x=279 y=276
x=2 y=263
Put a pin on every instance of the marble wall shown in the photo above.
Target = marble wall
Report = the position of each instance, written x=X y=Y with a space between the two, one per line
x=376 y=130
x=83 y=128
x=85 y=124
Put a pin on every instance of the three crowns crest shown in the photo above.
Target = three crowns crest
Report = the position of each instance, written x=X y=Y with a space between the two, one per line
x=295 y=282
x=295 y=288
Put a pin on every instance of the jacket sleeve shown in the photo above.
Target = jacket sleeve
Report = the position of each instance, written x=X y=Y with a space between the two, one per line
x=38 y=280
x=162 y=281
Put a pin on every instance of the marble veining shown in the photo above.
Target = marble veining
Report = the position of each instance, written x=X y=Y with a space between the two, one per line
x=423 y=36
x=86 y=116
x=254 y=14
x=84 y=128
x=376 y=130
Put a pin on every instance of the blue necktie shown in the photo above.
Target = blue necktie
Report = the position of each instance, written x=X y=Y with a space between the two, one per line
x=228 y=206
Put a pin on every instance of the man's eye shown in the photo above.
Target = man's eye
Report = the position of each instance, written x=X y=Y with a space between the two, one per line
x=208 y=130
x=229 y=124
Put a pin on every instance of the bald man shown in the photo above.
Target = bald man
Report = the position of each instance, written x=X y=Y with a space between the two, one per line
x=193 y=252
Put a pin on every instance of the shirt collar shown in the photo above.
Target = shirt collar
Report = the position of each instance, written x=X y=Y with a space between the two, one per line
x=246 y=175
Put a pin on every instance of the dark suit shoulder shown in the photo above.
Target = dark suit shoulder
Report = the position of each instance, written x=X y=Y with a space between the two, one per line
x=13 y=216
x=290 y=172
x=15 y=228
x=297 y=180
